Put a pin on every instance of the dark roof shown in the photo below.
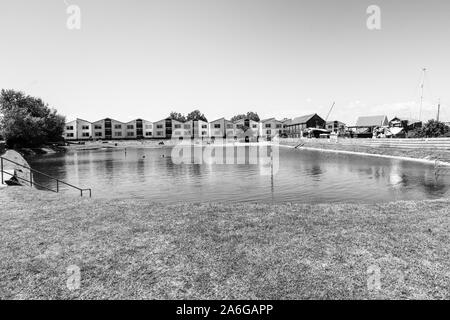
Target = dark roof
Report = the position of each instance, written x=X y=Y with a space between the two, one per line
x=302 y=119
x=371 y=121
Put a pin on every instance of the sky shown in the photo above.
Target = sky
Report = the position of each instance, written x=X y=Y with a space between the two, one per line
x=281 y=58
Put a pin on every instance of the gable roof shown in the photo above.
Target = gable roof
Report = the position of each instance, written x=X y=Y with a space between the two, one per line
x=302 y=119
x=270 y=119
x=223 y=118
x=372 y=121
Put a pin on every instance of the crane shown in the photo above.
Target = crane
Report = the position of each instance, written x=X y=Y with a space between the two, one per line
x=329 y=112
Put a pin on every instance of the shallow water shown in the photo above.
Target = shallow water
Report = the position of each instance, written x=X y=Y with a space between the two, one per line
x=303 y=176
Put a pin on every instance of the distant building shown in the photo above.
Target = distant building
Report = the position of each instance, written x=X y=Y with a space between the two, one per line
x=138 y=129
x=365 y=126
x=405 y=123
x=247 y=130
x=336 y=126
x=372 y=121
x=78 y=129
x=295 y=128
x=221 y=129
x=108 y=129
x=269 y=128
x=199 y=129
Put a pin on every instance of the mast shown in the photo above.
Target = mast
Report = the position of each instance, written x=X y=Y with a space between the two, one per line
x=439 y=110
x=424 y=70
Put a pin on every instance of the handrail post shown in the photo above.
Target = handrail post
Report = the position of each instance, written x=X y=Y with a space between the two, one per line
x=31 y=178
x=57 y=186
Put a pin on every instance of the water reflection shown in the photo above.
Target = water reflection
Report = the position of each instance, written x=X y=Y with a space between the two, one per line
x=303 y=176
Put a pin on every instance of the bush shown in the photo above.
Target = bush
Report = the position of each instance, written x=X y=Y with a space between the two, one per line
x=431 y=129
x=28 y=121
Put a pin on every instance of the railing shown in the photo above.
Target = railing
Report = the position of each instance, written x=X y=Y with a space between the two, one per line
x=32 y=183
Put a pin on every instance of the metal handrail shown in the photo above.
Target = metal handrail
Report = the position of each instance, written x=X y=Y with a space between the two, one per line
x=58 y=182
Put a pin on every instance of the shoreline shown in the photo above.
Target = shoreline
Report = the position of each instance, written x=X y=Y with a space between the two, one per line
x=424 y=161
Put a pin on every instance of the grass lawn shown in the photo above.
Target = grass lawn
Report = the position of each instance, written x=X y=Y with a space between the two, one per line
x=136 y=249
x=416 y=153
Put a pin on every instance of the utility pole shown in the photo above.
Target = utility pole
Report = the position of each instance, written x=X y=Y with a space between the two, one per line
x=424 y=70
x=439 y=110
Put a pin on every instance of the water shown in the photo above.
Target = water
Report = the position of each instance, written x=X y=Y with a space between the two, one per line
x=303 y=176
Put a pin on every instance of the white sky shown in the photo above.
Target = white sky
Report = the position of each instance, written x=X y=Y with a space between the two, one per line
x=279 y=58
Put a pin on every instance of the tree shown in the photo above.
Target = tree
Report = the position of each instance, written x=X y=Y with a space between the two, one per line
x=196 y=115
x=28 y=121
x=177 y=116
x=432 y=129
x=238 y=117
x=250 y=115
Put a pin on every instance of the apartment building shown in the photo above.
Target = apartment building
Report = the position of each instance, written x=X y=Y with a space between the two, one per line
x=336 y=127
x=138 y=129
x=222 y=129
x=269 y=128
x=78 y=129
x=109 y=129
x=198 y=129
x=248 y=129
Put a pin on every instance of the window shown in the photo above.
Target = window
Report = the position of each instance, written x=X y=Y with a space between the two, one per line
x=69 y=135
x=187 y=126
x=98 y=127
x=159 y=126
x=177 y=133
x=204 y=133
x=130 y=127
x=98 y=134
x=130 y=134
x=268 y=125
x=159 y=133
x=204 y=126
x=118 y=134
x=278 y=126
x=229 y=126
x=85 y=134
x=148 y=134
x=117 y=126
x=254 y=126
x=85 y=128
x=69 y=128
x=269 y=131
x=217 y=126
x=148 y=126
x=177 y=126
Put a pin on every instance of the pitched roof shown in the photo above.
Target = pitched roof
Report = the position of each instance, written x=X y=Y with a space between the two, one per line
x=302 y=119
x=270 y=119
x=217 y=120
x=371 y=121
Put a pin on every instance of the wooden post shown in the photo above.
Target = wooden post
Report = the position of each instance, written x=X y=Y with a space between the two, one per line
x=1 y=168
